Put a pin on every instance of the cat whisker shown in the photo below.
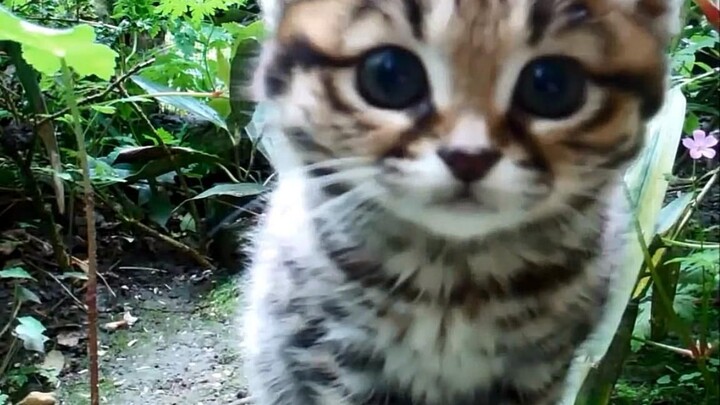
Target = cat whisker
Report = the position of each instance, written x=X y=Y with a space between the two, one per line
x=352 y=175
x=349 y=200
x=334 y=163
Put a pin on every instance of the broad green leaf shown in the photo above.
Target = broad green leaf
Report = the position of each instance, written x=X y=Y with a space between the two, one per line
x=671 y=213
x=188 y=104
x=642 y=326
x=221 y=105
x=25 y=295
x=664 y=380
x=27 y=76
x=187 y=223
x=16 y=272
x=30 y=331
x=160 y=209
x=223 y=66
x=234 y=190
x=43 y=47
x=646 y=182
x=264 y=138
x=690 y=376
x=254 y=32
x=154 y=162
x=243 y=110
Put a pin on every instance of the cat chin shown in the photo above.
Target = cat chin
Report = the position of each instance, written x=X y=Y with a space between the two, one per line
x=462 y=222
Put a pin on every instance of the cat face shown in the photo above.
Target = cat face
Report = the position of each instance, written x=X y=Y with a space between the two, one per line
x=465 y=116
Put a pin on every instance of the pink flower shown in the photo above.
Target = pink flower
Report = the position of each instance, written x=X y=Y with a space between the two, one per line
x=700 y=144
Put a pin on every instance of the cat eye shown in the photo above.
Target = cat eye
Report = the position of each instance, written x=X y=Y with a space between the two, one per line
x=392 y=77
x=551 y=87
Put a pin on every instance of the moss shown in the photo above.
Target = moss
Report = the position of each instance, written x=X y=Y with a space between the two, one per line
x=220 y=303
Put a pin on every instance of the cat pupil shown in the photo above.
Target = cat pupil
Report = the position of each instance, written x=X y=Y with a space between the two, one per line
x=551 y=87
x=548 y=80
x=392 y=78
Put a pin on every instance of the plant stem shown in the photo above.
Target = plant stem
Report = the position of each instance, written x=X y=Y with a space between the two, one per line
x=14 y=315
x=8 y=356
x=675 y=322
x=47 y=220
x=691 y=245
x=91 y=293
x=199 y=258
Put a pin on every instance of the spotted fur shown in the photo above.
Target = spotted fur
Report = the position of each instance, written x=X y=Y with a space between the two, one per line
x=369 y=285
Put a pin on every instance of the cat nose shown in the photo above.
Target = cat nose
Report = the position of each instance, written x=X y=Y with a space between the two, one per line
x=469 y=167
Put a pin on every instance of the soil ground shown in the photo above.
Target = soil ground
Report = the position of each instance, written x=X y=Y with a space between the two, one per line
x=183 y=349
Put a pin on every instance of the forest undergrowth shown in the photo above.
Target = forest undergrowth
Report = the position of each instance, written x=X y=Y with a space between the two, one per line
x=130 y=165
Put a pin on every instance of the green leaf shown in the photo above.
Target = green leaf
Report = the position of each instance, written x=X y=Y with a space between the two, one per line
x=223 y=66
x=187 y=223
x=252 y=32
x=25 y=295
x=670 y=214
x=30 y=331
x=160 y=209
x=185 y=103
x=257 y=130
x=232 y=189
x=103 y=109
x=221 y=105
x=642 y=326
x=664 y=380
x=154 y=162
x=43 y=47
x=688 y=377
x=16 y=272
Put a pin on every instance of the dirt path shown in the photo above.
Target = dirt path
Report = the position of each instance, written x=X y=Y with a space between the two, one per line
x=183 y=349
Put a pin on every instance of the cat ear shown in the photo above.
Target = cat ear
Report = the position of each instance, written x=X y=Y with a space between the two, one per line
x=663 y=16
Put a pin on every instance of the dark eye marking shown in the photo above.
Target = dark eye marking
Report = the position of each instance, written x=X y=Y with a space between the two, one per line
x=392 y=77
x=647 y=86
x=543 y=12
x=539 y=18
x=298 y=53
x=414 y=15
x=552 y=87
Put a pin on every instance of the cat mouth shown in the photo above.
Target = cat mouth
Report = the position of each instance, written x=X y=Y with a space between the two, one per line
x=463 y=200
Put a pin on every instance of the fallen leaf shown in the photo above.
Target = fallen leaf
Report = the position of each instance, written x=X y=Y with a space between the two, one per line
x=115 y=325
x=39 y=398
x=127 y=317
x=70 y=339
x=54 y=362
x=7 y=247
x=127 y=321
x=81 y=264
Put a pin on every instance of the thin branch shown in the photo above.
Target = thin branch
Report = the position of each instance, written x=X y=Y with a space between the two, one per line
x=695 y=203
x=194 y=254
x=91 y=293
x=104 y=93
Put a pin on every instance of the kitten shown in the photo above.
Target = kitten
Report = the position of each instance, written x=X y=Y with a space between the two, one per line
x=449 y=207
